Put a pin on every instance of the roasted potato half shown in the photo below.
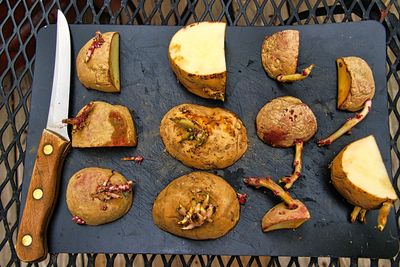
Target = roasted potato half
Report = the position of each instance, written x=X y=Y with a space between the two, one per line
x=97 y=196
x=99 y=124
x=360 y=176
x=197 y=57
x=198 y=205
x=97 y=63
x=203 y=137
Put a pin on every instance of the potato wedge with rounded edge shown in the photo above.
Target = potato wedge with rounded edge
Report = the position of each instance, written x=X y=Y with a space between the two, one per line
x=99 y=69
x=203 y=137
x=197 y=56
x=355 y=83
x=181 y=192
x=100 y=124
x=90 y=199
x=360 y=176
x=281 y=217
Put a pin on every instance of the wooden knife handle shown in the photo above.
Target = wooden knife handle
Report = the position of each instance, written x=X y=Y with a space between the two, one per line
x=41 y=198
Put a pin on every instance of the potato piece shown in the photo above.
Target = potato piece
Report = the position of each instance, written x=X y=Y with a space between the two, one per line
x=355 y=83
x=360 y=176
x=97 y=196
x=279 y=56
x=97 y=63
x=203 y=137
x=194 y=187
x=285 y=120
x=197 y=57
x=281 y=217
x=99 y=124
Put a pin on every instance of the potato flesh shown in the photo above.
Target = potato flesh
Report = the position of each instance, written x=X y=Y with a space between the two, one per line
x=193 y=51
x=344 y=81
x=114 y=61
x=363 y=164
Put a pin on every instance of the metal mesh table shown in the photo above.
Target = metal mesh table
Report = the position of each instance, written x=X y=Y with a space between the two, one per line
x=20 y=22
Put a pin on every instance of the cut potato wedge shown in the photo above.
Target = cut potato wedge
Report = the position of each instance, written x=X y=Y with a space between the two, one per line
x=99 y=124
x=197 y=57
x=97 y=63
x=360 y=176
x=355 y=83
x=281 y=217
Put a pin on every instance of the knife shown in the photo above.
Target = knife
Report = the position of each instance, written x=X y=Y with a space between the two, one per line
x=31 y=244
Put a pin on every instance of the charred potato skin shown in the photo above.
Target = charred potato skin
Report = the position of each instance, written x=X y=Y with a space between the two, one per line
x=80 y=138
x=179 y=191
x=280 y=52
x=92 y=210
x=278 y=122
x=96 y=73
x=211 y=86
x=362 y=85
x=226 y=143
x=353 y=194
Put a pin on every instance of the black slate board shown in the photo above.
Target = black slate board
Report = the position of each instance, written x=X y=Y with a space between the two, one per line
x=150 y=89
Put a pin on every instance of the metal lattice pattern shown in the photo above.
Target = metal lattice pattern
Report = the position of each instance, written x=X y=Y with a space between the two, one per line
x=20 y=22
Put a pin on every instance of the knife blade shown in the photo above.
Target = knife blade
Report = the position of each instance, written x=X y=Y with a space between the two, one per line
x=31 y=244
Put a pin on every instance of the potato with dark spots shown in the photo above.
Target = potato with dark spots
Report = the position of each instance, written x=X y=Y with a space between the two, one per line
x=203 y=137
x=186 y=192
x=99 y=124
x=97 y=196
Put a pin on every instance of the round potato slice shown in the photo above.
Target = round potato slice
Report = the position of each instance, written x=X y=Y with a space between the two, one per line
x=189 y=190
x=280 y=53
x=284 y=121
x=97 y=196
x=203 y=137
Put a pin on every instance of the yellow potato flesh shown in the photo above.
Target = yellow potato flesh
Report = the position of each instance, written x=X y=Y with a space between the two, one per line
x=114 y=61
x=200 y=49
x=363 y=164
x=344 y=81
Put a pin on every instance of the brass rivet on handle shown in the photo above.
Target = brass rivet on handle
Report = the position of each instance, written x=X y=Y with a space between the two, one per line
x=26 y=240
x=37 y=194
x=48 y=149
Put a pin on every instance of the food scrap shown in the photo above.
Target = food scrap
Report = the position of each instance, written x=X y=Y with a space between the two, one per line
x=78 y=220
x=136 y=159
x=242 y=198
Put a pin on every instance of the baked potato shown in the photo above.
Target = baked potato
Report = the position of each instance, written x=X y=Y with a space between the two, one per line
x=279 y=56
x=97 y=196
x=99 y=124
x=285 y=122
x=97 y=63
x=360 y=176
x=198 y=205
x=197 y=57
x=203 y=137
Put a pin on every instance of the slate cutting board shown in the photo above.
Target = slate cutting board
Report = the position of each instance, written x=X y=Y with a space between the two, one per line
x=150 y=89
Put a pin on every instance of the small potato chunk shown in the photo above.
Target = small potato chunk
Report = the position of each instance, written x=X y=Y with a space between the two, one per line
x=97 y=63
x=197 y=57
x=355 y=83
x=281 y=217
x=188 y=195
x=97 y=196
x=360 y=176
x=203 y=137
x=99 y=124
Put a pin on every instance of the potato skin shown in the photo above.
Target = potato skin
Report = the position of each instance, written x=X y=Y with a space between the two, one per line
x=226 y=143
x=285 y=120
x=280 y=53
x=92 y=210
x=179 y=192
x=106 y=126
x=353 y=194
x=96 y=73
x=362 y=85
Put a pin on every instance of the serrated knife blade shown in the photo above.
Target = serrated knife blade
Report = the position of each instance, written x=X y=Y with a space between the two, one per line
x=31 y=243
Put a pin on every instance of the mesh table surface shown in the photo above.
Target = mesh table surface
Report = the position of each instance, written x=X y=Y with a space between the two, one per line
x=20 y=22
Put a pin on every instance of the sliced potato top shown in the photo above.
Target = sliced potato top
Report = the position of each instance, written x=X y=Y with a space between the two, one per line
x=199 y=48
